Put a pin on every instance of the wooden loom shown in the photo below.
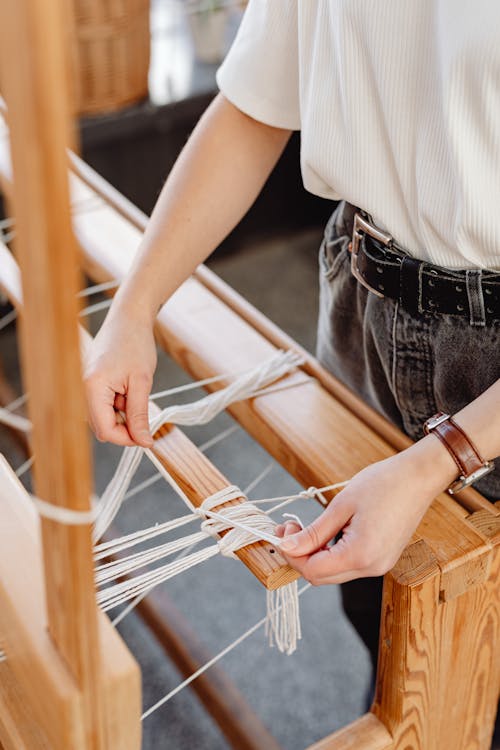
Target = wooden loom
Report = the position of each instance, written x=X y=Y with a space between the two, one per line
x=439 y=675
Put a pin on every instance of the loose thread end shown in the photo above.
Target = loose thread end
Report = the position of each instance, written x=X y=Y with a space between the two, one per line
x=283 y=618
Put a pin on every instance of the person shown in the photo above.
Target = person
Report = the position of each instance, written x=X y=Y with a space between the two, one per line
x=398 y=105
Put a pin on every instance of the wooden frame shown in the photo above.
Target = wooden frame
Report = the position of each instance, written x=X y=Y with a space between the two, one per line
x=78 y=687
x=68 y=681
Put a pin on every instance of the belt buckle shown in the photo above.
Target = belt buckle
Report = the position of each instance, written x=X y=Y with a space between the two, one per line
x=362 y=226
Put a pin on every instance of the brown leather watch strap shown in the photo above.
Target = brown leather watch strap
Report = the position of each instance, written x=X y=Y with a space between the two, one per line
x=463 y=451
x=470 y=465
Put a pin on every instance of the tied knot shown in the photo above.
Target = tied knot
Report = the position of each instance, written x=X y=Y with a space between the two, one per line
x=313 y=493
x=243 y=523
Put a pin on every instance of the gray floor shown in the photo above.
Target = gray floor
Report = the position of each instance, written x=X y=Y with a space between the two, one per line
x=321 y=687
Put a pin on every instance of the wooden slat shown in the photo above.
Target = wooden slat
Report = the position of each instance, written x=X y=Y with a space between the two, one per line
x=366 y=733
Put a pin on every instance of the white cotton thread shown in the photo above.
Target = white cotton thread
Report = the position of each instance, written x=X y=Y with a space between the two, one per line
x=114 y=546
x=259 y=478
x=14 y=420
x=113 y=495
x=66 y=516
x=97 y=307
x=203 y=447
x=126 y=590
x=17 y=402
x=311 y=493
x=125 y=565
x=25 y=466
x=138 y=599
x=244 y=387
x=7 y=319
x=105 y=286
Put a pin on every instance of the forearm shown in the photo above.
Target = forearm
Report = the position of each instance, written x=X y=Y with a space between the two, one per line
x=480 y=420
x=217 y=177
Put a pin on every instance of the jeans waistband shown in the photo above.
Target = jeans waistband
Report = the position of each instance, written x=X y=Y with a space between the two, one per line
x=388 y=270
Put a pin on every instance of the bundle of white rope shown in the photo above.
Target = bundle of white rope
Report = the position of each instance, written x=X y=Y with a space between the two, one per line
x=234 y=527
x=198 y=412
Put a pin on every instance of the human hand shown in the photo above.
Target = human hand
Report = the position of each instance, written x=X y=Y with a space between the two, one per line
x=377 y=512
x=118 y=378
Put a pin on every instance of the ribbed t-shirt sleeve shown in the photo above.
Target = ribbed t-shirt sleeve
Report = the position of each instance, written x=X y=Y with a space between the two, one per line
x=260 y=72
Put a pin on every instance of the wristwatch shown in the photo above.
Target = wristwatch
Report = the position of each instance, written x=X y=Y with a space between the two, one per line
x=470 y=465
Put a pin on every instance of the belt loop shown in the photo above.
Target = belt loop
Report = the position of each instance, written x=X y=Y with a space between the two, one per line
x=410 y=285
x=475 y=295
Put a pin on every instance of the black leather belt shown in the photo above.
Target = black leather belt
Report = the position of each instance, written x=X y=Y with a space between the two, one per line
x=387 y=271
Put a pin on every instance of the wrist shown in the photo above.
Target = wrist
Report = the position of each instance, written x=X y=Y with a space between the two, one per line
x=131 y=308
x=430 y=461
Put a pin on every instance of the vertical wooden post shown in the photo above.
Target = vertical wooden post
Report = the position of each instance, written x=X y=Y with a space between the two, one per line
x=35 y=83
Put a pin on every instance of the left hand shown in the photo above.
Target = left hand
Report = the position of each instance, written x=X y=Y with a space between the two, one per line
x=377 y=513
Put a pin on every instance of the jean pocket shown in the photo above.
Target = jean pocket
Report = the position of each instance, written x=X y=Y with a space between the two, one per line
x=333 y=253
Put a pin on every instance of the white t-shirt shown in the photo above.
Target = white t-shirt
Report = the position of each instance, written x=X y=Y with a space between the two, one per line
x=398 y=102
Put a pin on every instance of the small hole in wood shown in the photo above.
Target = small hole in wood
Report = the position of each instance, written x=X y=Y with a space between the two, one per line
x=272 y=551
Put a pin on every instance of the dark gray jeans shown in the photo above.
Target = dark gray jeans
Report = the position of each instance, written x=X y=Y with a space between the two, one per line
x=406 y=366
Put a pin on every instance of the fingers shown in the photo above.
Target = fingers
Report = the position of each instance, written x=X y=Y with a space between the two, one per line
x=284 y=529
x=102 y=415
x=104 y=403
x=335 y=564
x=318 y=533
x=331 y=565
x=353 y=556
x=136 y=409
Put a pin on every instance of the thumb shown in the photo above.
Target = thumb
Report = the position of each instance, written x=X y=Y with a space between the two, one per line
x=137 y=410
x=318 y=533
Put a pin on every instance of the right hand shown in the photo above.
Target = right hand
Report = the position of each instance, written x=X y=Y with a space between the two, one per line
x=118 y=378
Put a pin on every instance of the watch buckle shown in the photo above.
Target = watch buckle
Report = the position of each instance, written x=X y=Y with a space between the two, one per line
x=463 y=482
